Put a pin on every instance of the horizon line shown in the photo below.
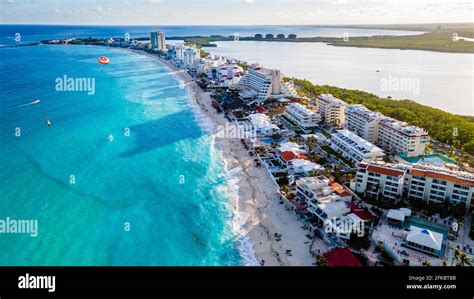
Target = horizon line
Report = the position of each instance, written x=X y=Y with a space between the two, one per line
x=339 y=24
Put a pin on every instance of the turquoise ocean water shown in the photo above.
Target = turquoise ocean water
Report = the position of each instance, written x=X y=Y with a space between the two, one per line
x=164 y=181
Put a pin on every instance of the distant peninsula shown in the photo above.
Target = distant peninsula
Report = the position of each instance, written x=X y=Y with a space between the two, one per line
x=450 y=38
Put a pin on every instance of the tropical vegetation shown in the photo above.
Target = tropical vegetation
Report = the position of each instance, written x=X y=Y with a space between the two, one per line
x=455 y=130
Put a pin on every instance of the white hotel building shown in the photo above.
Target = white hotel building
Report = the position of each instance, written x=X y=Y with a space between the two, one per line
x=261 y=125
x=354 y=148
x=178 y=52
x=261 y=84
x=321 y=198
x=392 y=135
x=400 y=138
x=186 y=56
x=304 y=117
x=191 y=57
x=209 y=64
x=415 y=182
x=225 y=75
x=378 y=179
x=435 y=184
x=328 y=205
x=363 y=122
x=332 y=109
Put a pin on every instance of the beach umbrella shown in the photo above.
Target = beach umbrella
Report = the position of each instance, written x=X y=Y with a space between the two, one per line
x=104 y=60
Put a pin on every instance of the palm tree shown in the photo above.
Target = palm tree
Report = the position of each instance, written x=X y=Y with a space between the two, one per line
x=445 y=263
x=456 y=256
x=427 y=264
x=285 y=188
x=464 y=260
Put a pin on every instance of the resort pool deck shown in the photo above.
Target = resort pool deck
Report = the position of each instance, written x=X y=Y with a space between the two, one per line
x=432 y=159
x=270 y=141
x=436 y=227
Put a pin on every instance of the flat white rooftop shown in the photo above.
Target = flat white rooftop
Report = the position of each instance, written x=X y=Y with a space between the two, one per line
x=329 y=98
x=356 y=142
x=301 y=108
x=363 y=112
x=403 y=127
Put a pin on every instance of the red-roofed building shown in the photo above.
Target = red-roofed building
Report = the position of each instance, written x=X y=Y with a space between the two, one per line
x=341 y=257
x=260 y=109
x=381 y=180
x=364 y=215
x=417 y=182
x=339 y=189
x=435 y=184
x=288 y=156
x=386 y=171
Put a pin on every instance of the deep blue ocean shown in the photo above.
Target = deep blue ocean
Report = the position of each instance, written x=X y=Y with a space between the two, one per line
x=37 y=33
x=155 y=196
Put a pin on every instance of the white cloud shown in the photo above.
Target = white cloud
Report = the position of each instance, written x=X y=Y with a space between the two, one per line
x=215 y=12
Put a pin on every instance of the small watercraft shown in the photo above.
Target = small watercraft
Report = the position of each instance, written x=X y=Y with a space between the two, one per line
x=48 y=122
x=36 y=101
x=110 y=138
x=104 y=60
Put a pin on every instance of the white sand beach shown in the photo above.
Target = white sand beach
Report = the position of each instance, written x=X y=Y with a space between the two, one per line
x=258 y=200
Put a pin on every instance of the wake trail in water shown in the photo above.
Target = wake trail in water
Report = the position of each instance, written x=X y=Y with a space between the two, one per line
x=28 y=104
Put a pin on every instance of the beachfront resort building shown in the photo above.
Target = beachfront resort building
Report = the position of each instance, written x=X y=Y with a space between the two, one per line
x=261 y=125
x=320 y=189
x=381 y=180
x=354 y=148
x=177 y=52
x=400 y=138
x=192 y=56
x=331 y=109
x=326 y=201
x=290 y=151
x=185 y=56
x=437 y=184
x=304 y=167
x=158 y=41
x=302 y=116
x=417 y=182
x=261 y=84
x=393 y=136
x=227 y=74
x=209 y=64
x=363 y=122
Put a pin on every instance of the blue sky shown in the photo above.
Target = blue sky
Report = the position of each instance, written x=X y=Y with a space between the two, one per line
x=234 y=12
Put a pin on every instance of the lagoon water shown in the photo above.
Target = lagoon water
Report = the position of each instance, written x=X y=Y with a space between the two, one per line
x=440 y=80
x=156 y=197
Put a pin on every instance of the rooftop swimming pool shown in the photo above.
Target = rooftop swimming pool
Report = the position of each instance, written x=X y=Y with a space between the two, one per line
x=270 y=141
x=432 y=159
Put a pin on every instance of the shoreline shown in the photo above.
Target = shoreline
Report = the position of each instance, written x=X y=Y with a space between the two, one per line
x=257 y=214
